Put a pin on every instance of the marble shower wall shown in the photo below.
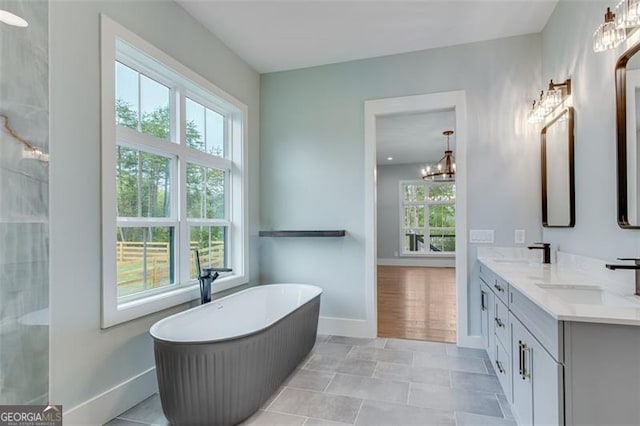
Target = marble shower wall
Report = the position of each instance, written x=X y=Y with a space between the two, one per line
x=24 y=205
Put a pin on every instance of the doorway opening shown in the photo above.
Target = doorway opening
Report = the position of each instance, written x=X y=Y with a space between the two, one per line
x=421 y=282
x=416 y=226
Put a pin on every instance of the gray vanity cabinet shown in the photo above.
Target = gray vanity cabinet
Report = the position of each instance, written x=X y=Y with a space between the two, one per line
x=494 y=326
x=487 y=301
x=537 y=380
x=525 y=346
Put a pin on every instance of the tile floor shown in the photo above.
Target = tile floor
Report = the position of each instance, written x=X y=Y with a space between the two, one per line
x=375 y=382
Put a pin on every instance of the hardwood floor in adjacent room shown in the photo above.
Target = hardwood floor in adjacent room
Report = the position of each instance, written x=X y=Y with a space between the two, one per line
x=417 y=303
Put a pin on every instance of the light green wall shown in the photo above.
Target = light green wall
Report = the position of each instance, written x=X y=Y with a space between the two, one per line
x=567 y=52
x=312 y=156
x=86 y=360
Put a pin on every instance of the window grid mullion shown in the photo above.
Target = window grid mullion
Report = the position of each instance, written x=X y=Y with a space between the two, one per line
x=139 y=102
x=184 y=252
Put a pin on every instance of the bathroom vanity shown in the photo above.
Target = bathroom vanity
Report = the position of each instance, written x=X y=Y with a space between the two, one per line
x=564 y=339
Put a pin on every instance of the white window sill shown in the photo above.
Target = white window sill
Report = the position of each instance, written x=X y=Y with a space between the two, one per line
x=432 y=254
x=136 y=308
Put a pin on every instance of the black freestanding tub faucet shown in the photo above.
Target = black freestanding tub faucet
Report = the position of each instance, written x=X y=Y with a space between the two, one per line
x=206 y=277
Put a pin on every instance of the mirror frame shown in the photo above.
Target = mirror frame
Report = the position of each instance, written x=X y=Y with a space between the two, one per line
x=572 y=183
x=621 y=135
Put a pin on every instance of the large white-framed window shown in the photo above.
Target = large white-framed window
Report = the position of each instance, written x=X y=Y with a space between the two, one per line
x=427 y=218
x=173 y=179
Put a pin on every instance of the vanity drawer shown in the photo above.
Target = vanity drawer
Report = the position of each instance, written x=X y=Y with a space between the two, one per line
x=502 y=365
x=547 y=330
x=501 y=323
x=501 y=289
x=497 y=285
x=487 y=275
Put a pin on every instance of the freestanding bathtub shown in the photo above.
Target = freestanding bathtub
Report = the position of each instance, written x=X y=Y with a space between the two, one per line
x=219 y=362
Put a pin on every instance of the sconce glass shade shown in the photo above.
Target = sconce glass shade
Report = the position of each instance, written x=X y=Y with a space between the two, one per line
x=627 y=14
x=548 y=102
x=11 y=19
x=552 y=99
x=445 y=169
x=536 y=114
x=608 y=35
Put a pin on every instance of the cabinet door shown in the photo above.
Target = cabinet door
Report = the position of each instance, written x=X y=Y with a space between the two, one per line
x=548 y=384
x=537 y=380
x=503 y=366
x=484 y=315
x=522 y=389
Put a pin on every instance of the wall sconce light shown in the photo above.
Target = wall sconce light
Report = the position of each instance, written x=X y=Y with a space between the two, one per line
x=627 y=14
x=12 y=19
x=555 y=96
x=617 y=26
x=608 y=35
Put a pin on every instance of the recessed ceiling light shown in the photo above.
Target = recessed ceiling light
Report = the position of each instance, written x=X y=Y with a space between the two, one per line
x=389 y=158
x=11 y=19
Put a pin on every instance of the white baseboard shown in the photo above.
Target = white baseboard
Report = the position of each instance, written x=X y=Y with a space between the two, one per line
x=431 y=262
x=470 y=342
x=102 y=408
x=345 y=327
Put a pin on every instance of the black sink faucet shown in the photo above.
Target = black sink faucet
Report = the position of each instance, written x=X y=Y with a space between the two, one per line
x=546 y=248
x=206 y=277
x=635 y=266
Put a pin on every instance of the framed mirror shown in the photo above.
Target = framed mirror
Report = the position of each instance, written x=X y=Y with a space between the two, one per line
x=628 y=137
x=558 y=181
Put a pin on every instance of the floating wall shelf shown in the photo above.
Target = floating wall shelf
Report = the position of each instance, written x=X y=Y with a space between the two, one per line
x=298 y=234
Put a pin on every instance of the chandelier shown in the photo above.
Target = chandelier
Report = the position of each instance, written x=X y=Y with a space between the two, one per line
x=445 y=169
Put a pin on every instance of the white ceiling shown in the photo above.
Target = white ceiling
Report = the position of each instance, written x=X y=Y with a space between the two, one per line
x=276 y=35
x=413 y=138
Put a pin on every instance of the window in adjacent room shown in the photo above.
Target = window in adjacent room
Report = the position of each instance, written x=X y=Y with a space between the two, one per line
x=427 y=218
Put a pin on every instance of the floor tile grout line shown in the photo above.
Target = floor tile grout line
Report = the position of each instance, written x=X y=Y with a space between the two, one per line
x=355 y=420
x=308 y=417
x=358 y=397
x=330 y=381
x=504 y=415
x=280 y=390
x=131 y=420
x=374 y=370
x=337 y=372
x=484 y=415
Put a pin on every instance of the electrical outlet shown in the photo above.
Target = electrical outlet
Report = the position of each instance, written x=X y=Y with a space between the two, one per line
x=481 y=236
x=519 y=236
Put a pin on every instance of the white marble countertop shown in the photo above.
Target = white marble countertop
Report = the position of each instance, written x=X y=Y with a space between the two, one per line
x=542 y=284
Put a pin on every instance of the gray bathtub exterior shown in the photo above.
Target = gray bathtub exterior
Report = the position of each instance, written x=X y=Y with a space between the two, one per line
x=223 y=383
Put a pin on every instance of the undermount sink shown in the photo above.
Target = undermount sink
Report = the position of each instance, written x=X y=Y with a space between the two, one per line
x=589 y=295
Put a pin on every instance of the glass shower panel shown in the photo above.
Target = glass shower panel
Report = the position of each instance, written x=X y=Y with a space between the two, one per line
x=24 y=207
